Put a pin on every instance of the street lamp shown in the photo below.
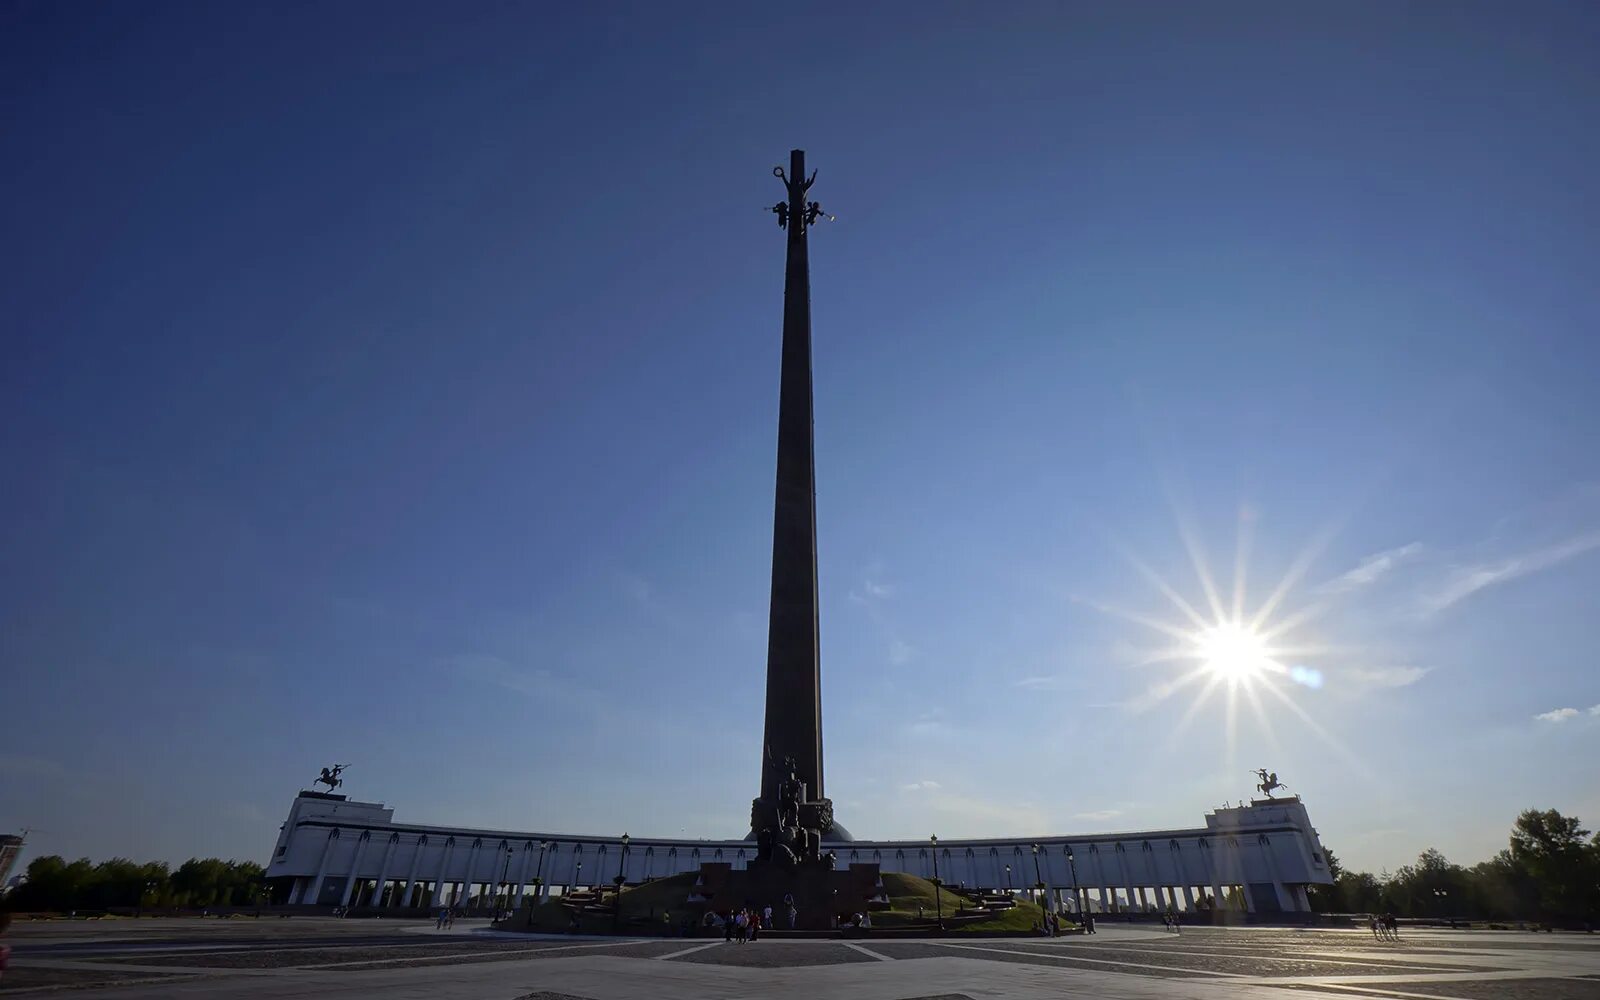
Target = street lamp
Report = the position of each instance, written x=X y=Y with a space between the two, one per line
x=1008 y=879
x=616 y=904
x=538 y=873
x=505 y=879
x=1077 y=893
x=938 y=903
x=1038 y=879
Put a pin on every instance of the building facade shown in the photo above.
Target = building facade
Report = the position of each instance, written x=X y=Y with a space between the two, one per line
x=1259 y=858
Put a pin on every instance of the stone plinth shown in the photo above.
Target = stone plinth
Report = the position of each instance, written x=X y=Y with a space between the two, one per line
x=821 y=893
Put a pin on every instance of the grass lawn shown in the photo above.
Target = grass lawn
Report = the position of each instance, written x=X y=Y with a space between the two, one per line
x=643 y=907
x=907 y=892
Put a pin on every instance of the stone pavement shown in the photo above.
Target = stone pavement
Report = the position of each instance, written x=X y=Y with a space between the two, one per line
x=361 y=959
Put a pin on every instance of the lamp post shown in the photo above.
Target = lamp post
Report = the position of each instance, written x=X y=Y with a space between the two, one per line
x=505 y=879
x=1008 y=879
x=538 y=873
x=538 y=882
x=616 y=904
x=938 y=903
x=1038 y=879
x=1077 y=893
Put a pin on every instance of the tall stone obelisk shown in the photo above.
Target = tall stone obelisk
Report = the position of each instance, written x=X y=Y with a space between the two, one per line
x=794 y=687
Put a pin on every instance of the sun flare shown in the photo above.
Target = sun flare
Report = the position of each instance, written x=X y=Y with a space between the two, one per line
x=1232 y=652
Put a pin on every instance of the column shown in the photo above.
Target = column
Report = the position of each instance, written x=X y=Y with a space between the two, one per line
x=444 y=861
x=472 y=867
x=383 y=867
x=322 y=868
x=1188 y=898
x=411 y=872
x=350 y=881
x=1104 y=907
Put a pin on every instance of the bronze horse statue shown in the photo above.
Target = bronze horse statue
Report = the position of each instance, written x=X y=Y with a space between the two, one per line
x=330 y=776
x=1269 y=782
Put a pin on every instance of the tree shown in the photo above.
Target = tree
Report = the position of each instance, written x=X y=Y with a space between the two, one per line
x=1553 y=850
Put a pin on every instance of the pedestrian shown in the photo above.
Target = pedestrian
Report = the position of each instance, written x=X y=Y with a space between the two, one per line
x=1177 y=924
x=766 y=917
x=755 y=925
x=1393 y=925
x=794 y=915
x=728 y=928
x=438 y=925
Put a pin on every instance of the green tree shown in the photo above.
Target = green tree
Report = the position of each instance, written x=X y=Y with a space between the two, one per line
x=1556 y=854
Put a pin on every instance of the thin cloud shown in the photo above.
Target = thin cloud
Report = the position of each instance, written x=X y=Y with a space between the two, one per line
x=1594 y=709
x=1558 y=715
x=1371 y=678
x=901 y=652
x=921 y=786
x=1098 y=815
x=1039 y=683
x=1370 y=569
x=1468 y=580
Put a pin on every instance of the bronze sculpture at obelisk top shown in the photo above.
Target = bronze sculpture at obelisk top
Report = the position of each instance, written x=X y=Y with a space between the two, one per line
x=792 y=814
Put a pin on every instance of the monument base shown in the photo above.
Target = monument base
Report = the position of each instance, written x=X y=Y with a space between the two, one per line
x=822 y=896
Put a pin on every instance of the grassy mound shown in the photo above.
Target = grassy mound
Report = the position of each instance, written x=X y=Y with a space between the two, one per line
x=908 y=892
x=643 y=908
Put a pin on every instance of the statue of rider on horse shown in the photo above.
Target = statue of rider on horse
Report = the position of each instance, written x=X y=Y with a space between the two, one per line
x=330 y=776
x=1269 y=782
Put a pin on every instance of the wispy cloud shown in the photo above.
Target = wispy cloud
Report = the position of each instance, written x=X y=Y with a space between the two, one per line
x=1594 y=709
x=1098 y=815
x=1373 y=678
x=1370 y=569
x=1040 y=683
x=1557 y=715
x=921 y=786
x=873 y=594
x=1468 y=580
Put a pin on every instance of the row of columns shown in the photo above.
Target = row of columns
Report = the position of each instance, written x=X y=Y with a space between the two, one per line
x=1288 y=898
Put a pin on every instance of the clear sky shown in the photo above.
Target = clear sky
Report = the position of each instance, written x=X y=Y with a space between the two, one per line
x=396 y=385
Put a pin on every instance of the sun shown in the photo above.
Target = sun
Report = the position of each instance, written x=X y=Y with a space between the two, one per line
x=1232 y=652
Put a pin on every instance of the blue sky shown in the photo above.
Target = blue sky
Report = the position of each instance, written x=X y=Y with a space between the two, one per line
x=397 y=385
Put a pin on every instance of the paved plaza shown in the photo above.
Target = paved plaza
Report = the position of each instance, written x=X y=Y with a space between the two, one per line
x=307 y=957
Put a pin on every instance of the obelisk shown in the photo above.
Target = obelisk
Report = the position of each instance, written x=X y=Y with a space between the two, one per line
x=794 y=686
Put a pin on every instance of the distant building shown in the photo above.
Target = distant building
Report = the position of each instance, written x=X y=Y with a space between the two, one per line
x=10 y=850
x=1260 y=858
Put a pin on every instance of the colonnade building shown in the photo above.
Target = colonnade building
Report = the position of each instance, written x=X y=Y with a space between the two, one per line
x=1258 y=858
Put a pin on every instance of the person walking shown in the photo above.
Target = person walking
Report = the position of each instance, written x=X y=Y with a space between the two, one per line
x=438 y=925
x=728 y=928
x=755 y=924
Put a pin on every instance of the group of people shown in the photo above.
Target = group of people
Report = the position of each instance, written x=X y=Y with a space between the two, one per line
x=1384 y=927
x=746 y=924
x=1169 y=921
x=1051 y=925
x=446 y=918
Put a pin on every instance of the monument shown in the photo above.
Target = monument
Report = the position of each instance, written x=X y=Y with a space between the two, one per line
x=332 y=851
x=793 y=814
